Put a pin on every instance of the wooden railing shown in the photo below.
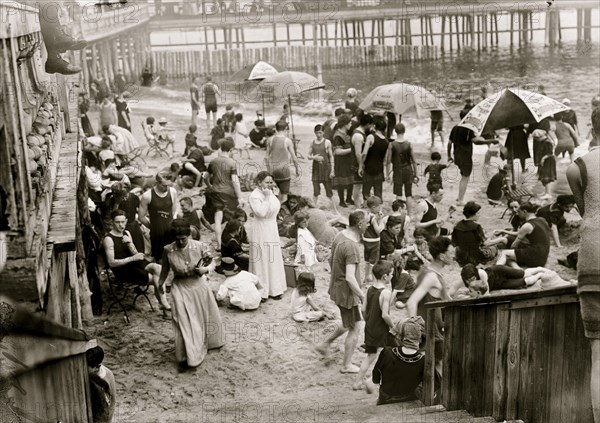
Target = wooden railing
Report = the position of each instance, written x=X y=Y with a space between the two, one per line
x=97 y=22
x=519 y=356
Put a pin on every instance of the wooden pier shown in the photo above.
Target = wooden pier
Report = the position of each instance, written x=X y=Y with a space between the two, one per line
x=367 y=32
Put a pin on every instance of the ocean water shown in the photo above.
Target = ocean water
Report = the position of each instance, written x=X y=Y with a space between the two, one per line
x=572 y=71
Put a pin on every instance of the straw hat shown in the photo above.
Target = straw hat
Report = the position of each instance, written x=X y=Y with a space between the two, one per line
x=229 y=267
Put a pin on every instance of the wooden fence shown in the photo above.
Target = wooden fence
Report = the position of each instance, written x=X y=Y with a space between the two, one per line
x=184 y=64
x=519 y=356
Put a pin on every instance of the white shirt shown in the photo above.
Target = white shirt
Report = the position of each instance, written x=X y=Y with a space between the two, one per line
x=244 y=290
x=306 y=243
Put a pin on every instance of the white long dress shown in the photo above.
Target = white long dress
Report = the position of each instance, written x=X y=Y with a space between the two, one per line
x=240 y=136
x=266 y=260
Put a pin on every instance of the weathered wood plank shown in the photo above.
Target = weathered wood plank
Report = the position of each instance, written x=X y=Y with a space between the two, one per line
x=449 y=334
x=526 y=362
x=489 y=353
x=505 y=298
x=500 y=362
x=429 y=377
x=512 y=372
x=569 y=382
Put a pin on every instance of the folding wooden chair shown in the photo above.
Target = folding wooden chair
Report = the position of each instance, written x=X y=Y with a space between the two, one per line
x=115 y=285
x=515 y=193
x=137 y=154
x=154 y=144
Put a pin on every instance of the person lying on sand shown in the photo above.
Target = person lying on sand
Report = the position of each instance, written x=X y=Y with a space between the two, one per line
x=480 y=282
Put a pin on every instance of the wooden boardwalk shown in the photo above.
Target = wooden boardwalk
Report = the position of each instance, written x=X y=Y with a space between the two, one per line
x=63 y=216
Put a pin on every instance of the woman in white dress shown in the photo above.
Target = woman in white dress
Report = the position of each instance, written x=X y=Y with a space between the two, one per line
x=240 y=135
x=266 y=260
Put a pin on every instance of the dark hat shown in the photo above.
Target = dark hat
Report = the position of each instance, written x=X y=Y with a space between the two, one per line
x=259 y=122
x=229 y=267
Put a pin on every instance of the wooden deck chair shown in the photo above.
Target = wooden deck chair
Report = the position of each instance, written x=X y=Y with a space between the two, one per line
x=515 y=193
x=119 y=290
x=136 y=154
x=154 y=145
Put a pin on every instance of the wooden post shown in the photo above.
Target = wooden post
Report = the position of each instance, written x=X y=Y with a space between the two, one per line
x=124 y=58
x=243 y=38
x=431 y=29
x=472 y=30
x=579 y=25
x=478 y=33
x=512 y=29
x=496 y=25
x=530 y=14
x=131 y=58
x=103 y=62
x=421 y=23
x=287 y=30
x=457 y=33
x=274 y=34
x=526 y=27
x=520 y=30
x=397 y=30
x=347 y=38
x=450 y=35
x=326 y=26
x=115 y=55
x=84 y=67
x=484 y=32
x=304 y=32
x=430 y=358
x=94 y=64
x=587 y=28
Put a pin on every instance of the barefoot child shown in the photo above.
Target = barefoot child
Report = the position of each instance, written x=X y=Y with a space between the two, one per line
x=435 y=169
x=378 y=322
x=303 y=307
x=371 y=238
x=306 y=242
x=321 y=153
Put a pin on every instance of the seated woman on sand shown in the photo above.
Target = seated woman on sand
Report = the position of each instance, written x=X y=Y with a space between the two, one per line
x=468 y=236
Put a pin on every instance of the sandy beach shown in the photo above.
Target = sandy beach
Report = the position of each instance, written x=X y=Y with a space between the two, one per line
x=267 y=370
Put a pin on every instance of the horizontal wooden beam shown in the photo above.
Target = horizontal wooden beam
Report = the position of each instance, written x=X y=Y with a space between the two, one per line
x=506 y=298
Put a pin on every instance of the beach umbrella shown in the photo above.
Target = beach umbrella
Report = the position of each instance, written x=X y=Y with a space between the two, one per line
x=255 y=72
x=510 y=107
x=399 y=98
x=284 y=85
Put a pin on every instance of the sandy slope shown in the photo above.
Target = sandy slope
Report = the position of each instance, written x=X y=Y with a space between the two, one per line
x=267 y=368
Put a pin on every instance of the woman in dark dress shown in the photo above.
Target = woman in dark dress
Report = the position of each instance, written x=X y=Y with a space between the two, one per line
x=470 y=241
x=532 y=246
x=84 y=107
x=342 y=155
x=516 y=145
x=123 y=119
